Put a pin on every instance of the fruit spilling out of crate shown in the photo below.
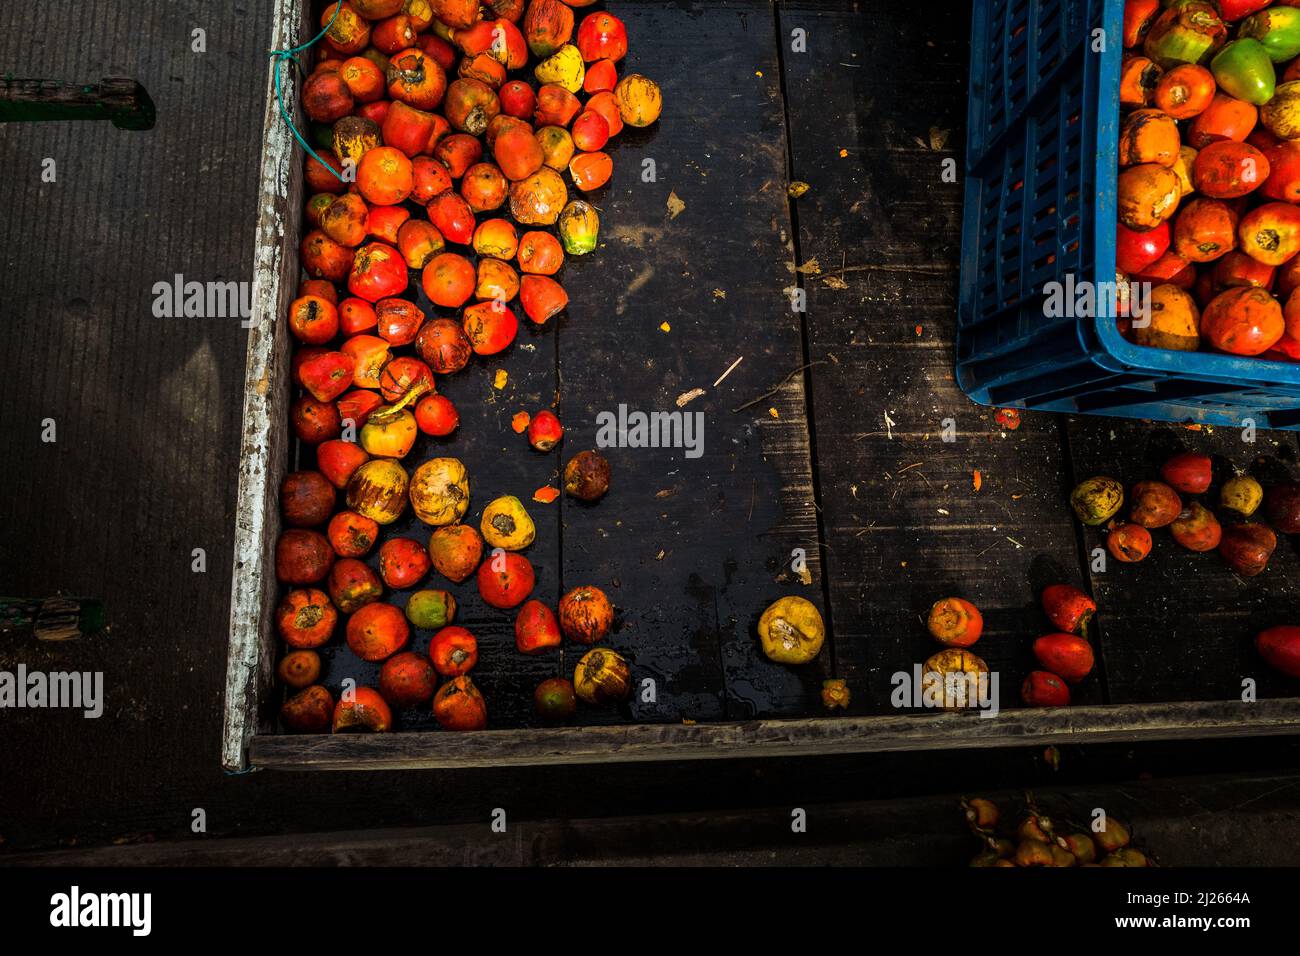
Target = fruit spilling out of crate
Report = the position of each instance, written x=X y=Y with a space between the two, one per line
x=445 y=132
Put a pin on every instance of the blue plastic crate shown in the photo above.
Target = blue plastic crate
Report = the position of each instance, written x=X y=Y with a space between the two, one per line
x=1040 y=204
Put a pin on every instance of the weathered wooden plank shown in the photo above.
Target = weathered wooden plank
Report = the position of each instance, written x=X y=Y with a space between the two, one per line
x=879 y=233
x=1180 y=625
x=693 y=547
x=780 y=738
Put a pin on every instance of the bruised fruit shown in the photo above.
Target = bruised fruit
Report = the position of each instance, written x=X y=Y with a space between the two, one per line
x=1068 y=608
x=953 y=678
x=455 y=551
x=1154 y=504
x=363 y=710
x=1247 y=548
x=378 y=490
x=1066 y=655
x=507 y=525
x=505 y=579
x=377 y=631
x=353 y=584
x=439 y=491
x=1280 y=648
x=602 y=676
x=306 y=618
x=302 y=556
x=1129 y=543
x=586 y=615
x=299 y=669
x=308 y=711
x=1196 y=529
x=791 y=631
x=454 y=651
x=555 y=700
x=407 y=679
x=402 y=562
x=431 y=609
x=352 y=535
x=1097 y=500
x=955 y=622
x=1042 y=689
x=458 y=705
x=306 y=499
x=586 y=476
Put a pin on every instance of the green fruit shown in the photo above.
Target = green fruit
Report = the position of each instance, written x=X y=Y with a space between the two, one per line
x=431 y=609
x=1097 y=500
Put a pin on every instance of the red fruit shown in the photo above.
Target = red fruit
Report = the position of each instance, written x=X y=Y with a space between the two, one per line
x=1155 y=504
x=338 y=459
x=505 y=579
x=442 y=343
x=326 y=375
x=313 y=320
x=377 y=631
x=554 y=700
x=306 y=499
x=1129 y=543
x=431 y=179
x=1134 y=251
x=955 y=622
x=407 y=679
x=459 y=706
x=602 y=77
x=308 y=711
x=453 y=217
x=1280 y=648
x=1068 y=608
x=1066 y=655
x=369 y=354
x=362 y=710
x=602 y=36
x=353 y=584
x=302 y=557
x=356 y=406
x=517 y=99
x=1247 y=548
x=378 y=272
x=454 y=651
x=403 y=562
x=314 y=422
x=545 y=431
x=403 y=374
x=490 y=327
x=1196 y=529
x=536 y=628
x=541 y=297
x=306 y=618
x=436 y=415
x=352 y=535
x=1188 y=472
x=357 y=315
x=1042 y=689
x=398 y=321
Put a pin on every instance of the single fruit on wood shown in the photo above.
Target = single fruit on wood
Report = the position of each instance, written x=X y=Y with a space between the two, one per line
x=431 y=609
x=579 y=227
x=1196 y=529
x=458 y=705
x=506 y=524
x=1097 y=500
x=542 y=297
x=1068 y=608
x=456 y=551
x=1155 y=504
x=1242 y=494
x=555 y=700
x=545 y=431
x=353 y=584
x=1282 y=505
x=299 y=669
x=1042 y=689
x=602 y=676
x=586 y=615
x=362 y=711
x=302 y=556
x=505 y=579
x=378 y=490
x=377 y=631
x=1280 y=648
x=454 y=651
x=308 y=711
x=1247 y=548
x=639 y=99
x=306 y=618
x=791 y=631
x=1129 y=543
x=536 y=628
x=1065 y=654
x=953 y=678
x=586 y=476
x=407 y=679
x=955 y=622
x=440 y=491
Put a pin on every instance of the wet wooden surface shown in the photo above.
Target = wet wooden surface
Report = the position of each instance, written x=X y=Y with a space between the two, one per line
x=148 y=417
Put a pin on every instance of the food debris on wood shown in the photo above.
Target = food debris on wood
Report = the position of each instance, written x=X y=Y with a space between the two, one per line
x=546 y=494
x=1008 y=418
x=500 y=378
x=675 y=205
x=730 y=369
x=977 y=480
x=686 y=398
x=797 y=189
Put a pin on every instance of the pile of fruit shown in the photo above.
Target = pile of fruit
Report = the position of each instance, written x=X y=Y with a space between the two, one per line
x=1244 y=544
x=1039 y=840
x=1209 y=181
x=450 y=127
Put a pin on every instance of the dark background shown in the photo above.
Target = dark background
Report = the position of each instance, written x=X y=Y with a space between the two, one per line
x=144 y=471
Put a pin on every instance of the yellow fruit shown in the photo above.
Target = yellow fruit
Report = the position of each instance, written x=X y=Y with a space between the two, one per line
x=1242 y=494
x=791 y=631
x=563 y=68
x=951 y=678
x=602 y=675
x=507 y=525
x=639 y=100
x=1097 y=500
x=440 y=491
x=377 y=490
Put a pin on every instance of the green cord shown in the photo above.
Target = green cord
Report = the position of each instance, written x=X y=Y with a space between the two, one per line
x=280 y=57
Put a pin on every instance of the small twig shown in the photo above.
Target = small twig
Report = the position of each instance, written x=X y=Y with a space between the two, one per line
x=779 y=385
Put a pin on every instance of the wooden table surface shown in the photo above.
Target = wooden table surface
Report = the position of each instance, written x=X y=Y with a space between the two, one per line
x=147 y=412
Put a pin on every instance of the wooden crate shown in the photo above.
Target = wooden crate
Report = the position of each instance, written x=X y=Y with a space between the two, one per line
x=757 y=493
